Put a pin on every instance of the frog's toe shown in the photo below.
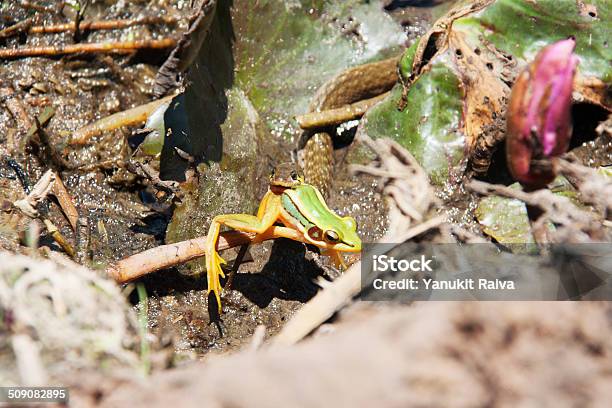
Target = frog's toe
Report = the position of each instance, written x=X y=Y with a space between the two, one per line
x=220 y=261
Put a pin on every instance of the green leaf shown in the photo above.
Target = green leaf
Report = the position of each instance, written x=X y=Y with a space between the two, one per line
x=505 y=219
x=430 y=125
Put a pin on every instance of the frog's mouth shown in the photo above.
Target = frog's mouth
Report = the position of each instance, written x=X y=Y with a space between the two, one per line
x=350 y=247
x=279 y=187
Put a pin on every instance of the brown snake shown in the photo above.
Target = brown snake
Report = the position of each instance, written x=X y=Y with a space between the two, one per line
x=352 y=85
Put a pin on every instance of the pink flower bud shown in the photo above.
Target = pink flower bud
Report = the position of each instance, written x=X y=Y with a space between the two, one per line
x=539 y=114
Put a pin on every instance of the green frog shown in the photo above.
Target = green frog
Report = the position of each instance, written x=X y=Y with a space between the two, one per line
x=305 y=217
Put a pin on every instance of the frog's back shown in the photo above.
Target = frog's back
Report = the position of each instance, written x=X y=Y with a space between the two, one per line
x=315 y=208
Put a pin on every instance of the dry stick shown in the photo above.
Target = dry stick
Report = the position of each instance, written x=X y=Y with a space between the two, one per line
x=421 y=228
x=594 y=188
x=529 y=198
x=28 y=5
x=332 y=117
x=65 y=202
x=16 y=108
x=82 y=239
x=121 y=47
x=102 y=25
x=145 y=171
x=130 y=117
x=165 y=256
x=17 y=28
x=28 y=206
x=58 y=237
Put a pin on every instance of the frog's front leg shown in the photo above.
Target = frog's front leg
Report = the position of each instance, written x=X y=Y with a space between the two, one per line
x=268 y=213
x=336 y=258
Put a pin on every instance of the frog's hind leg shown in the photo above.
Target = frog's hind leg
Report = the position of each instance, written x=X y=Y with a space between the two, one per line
x=267 y=215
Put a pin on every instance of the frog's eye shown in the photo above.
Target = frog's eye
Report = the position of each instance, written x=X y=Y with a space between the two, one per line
x=294 y=175
x=272 y=173
x=331 y=236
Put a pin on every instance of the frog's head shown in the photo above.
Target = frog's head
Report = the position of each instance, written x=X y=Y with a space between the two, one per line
x=337 y=233
x=320 y=226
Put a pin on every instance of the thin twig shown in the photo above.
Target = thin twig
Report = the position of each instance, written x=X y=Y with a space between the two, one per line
x=103 y=25
x=15 y=106
x=28 y=206
x=78 y=18
x=148 y=173
x=421 y=228
x=65 y=202
x=593 y=187
x=121 y=47
x=82 y=239
x=165 y=256
x=332 y=117
x=375 y=171
x=17 y=28
x=58 y=237
x=130 y=117
x=28 y=5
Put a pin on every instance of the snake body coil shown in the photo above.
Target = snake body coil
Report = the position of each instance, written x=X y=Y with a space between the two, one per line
x=350 y=86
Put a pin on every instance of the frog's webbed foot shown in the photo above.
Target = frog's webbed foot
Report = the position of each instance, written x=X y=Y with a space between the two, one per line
x=214 y=273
